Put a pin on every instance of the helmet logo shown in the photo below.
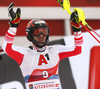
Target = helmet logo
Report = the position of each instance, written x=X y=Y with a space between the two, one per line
x=40 y=21
x=27 y=30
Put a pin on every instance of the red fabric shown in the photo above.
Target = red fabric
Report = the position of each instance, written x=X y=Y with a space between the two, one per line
x=38 y=72
x=77 y=51
x=18 y=57
x=94 y=70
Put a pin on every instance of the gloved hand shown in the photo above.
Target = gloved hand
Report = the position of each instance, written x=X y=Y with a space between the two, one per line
x=74 y=19
x=15 y=17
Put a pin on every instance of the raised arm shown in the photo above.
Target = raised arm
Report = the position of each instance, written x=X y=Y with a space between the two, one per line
x=14 y=52
x=78 y=39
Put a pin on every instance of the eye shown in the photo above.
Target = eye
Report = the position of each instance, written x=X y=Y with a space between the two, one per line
x=44 y=32
x=36 y=32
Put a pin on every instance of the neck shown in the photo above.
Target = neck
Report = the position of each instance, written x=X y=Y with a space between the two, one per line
x=33 y=45
x=39 y=49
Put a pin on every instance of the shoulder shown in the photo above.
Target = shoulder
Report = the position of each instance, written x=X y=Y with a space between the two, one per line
x=55 y=46
x=28 y=49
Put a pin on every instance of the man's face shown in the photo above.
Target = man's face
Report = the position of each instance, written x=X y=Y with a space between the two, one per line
x=41 y=38
x=40 y=35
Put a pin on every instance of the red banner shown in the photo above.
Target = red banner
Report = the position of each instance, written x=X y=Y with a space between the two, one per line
x=94 y=73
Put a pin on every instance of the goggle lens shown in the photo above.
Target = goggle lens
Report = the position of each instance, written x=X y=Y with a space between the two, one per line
x=38 y=32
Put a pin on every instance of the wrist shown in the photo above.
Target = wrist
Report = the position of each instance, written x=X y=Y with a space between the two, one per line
x=13 y=30
x=77 y=34
x=76 y=25
x=14 y=25
x=76 y=29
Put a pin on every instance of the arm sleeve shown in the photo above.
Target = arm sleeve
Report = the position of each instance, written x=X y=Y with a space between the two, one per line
x=15 y=52
x=68 y=51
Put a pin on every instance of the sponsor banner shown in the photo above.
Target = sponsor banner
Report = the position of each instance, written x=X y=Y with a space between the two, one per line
x=94 y=68
x=45 y=84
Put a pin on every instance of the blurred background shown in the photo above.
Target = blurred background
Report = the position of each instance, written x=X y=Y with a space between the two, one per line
x=60 y=28
x=49 y=10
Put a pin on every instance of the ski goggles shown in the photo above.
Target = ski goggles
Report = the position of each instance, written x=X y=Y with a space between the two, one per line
x=37 y=32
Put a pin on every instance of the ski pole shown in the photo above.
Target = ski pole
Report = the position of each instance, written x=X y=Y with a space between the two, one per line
x=66 y=6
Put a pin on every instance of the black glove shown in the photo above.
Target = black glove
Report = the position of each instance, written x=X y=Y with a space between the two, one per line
x=74 y=19
x=15 y=17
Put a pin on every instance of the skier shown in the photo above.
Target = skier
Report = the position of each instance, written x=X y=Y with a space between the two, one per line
x=38 y=62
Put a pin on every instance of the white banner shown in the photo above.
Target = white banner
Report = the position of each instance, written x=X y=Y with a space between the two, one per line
x=80 y=63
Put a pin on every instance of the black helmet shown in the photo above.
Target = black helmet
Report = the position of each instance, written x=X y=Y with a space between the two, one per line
x=36 y=24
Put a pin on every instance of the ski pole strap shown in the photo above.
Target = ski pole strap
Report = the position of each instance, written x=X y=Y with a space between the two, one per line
x=60 y=2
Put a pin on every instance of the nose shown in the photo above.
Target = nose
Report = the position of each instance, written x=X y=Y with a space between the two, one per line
x=41 y=35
